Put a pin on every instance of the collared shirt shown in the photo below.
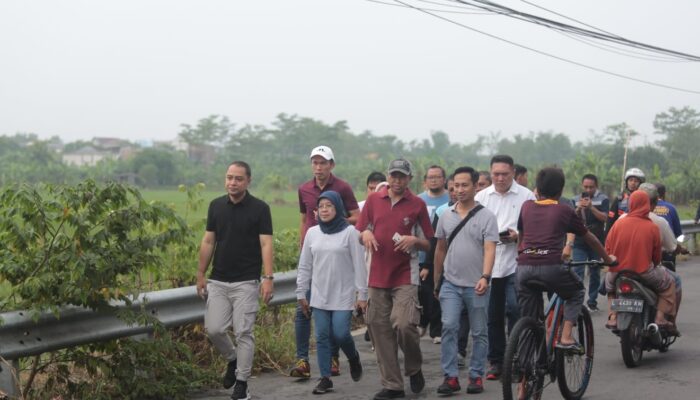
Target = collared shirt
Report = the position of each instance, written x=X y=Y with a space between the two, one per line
x=309 y=193
x=464 y=261
x=237 y=228
x=408 y=216
x=507 y=209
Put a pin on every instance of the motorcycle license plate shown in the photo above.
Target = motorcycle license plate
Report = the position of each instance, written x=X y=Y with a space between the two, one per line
x=628 y=305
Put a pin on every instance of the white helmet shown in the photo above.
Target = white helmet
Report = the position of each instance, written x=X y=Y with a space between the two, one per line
x=636 y=172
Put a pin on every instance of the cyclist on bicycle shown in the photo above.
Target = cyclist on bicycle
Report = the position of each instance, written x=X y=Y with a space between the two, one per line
x=542 y=227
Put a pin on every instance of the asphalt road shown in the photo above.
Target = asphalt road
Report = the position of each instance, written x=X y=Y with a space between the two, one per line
x=673 y=375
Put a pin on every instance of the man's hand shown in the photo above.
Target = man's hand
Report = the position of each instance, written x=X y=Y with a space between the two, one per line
x=585 y=202
x=511 y=238
x=566 y=253
x=362 y=306
x=369 y=241
x=424 y=273
x=266 y=289
x=481 y=286
x=202 y=286
x=406 y=243
x=305 y=309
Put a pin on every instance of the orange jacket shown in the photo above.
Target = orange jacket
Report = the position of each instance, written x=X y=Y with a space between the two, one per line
x=635 y=240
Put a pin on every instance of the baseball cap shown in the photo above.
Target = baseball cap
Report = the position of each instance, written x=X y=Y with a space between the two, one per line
x=400 y=165
x=323 y=151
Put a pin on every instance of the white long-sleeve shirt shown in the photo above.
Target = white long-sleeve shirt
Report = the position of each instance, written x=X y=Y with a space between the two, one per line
x=333 y=265
x=507 y=209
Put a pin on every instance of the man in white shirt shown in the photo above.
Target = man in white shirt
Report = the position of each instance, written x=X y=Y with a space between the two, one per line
x=504 y=198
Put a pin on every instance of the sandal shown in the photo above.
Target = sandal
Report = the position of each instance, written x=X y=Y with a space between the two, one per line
x=612 y=322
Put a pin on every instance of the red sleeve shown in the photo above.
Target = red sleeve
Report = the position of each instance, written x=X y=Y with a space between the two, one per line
x=349 y=200
x=424 y=221
x=365 y=216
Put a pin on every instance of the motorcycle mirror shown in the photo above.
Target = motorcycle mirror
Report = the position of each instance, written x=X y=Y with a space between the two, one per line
x=680 y=239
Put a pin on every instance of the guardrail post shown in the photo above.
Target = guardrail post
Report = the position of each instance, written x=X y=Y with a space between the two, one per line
x=691 y=243
x=8 y=378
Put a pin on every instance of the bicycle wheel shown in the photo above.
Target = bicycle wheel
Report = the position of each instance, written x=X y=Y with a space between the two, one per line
x=523 y=364
x=574 y=370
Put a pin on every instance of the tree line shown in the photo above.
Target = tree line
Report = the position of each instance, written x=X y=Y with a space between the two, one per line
x=279 y=152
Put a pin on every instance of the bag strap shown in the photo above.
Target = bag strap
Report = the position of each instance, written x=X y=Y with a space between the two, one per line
x=462 y=223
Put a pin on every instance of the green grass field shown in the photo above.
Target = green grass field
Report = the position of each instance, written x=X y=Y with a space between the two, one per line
x=284 y=216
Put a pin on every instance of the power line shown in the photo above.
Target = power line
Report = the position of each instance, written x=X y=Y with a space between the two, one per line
x=546 y=53
x=512 y=13
x=569 y=18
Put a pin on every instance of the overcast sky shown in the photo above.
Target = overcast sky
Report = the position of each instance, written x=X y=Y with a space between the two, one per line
x=138 y=69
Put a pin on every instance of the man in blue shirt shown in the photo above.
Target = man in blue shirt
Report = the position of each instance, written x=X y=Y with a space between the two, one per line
x=434 y=196
x=667 y=210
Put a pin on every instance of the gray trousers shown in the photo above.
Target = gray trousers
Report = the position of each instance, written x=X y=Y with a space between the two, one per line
x=233 y=305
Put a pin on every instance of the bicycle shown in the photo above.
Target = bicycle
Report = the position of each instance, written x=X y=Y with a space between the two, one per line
x=531 y=354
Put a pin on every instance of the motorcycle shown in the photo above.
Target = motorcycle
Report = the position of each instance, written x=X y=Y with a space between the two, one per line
x=635 y=305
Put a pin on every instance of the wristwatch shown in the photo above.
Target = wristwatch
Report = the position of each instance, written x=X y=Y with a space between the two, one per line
x=270 y=277
x=570 y=244
x=487 y=277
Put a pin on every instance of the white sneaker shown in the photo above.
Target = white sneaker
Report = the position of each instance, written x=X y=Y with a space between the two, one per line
x=437 y=340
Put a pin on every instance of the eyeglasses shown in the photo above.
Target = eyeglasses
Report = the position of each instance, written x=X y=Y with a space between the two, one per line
x=325 y=206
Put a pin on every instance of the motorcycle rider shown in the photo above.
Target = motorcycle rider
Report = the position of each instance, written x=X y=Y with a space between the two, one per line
x=620 y=205
x=636 y=241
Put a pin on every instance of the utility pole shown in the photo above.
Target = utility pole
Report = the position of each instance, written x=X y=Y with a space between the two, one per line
x=624 y=160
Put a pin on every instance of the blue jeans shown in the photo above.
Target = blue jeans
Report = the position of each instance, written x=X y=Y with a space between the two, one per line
x=503 y=303
x=302 y=333
x=584 y=253
x=332 y=326
x=452 y=300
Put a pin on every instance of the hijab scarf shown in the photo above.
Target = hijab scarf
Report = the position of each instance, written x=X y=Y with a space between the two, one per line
x=338 y=223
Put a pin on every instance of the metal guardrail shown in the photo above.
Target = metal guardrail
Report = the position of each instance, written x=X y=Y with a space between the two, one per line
x=21 y=336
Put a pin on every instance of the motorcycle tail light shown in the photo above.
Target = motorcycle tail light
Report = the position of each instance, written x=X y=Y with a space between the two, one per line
x=625 y=287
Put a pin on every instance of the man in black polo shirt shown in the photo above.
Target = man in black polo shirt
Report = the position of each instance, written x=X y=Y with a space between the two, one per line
x=239 y=237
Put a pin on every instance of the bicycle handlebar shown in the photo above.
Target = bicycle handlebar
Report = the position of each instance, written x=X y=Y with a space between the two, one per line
x=597 y=263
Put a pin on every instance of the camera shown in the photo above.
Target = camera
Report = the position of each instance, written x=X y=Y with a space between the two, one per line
x=585 y=195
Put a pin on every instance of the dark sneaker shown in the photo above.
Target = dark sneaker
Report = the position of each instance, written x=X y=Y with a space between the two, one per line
x=387 y=394
x=592 y=308
x=335 y=366
x=301 y=370
x=230 y=375
x=494 y=372
x=417 y=382
x=571 y=348
x=324 y=385
x=355 y=368
x=449 y=386
x=240 y=391
x=476 y=385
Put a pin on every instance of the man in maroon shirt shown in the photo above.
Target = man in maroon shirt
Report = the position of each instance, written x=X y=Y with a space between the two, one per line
x=322 y=163
x=395 y=225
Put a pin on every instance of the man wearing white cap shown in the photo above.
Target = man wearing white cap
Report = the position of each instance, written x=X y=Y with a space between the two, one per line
x=322 y=163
